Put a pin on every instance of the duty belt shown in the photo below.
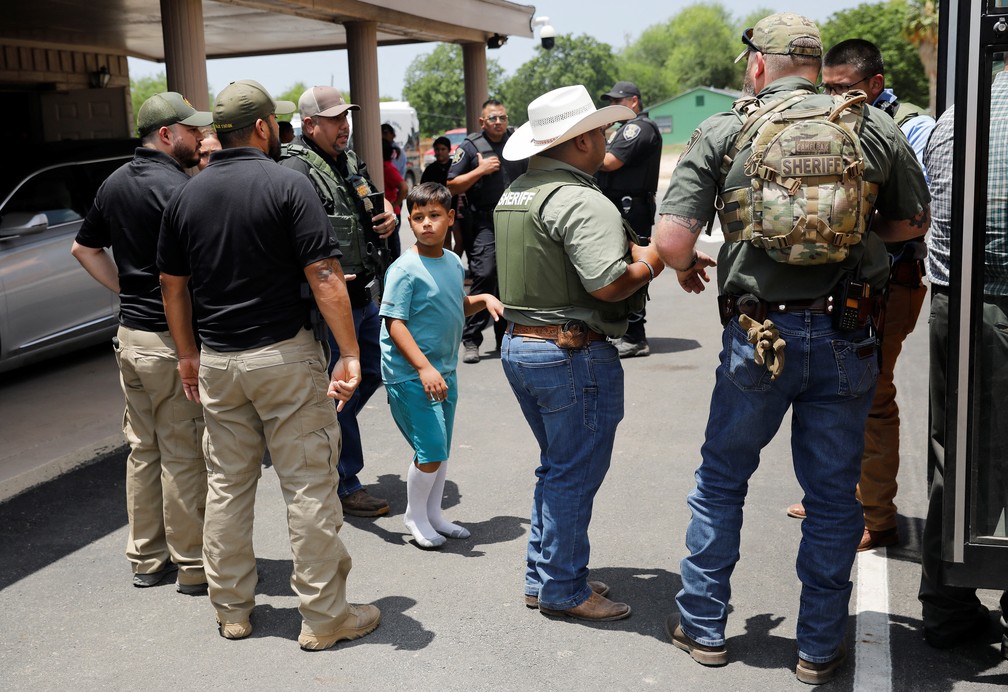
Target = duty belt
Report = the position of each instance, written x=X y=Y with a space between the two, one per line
x=758 y=309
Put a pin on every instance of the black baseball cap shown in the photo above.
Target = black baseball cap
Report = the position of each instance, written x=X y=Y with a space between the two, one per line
x=622 y=90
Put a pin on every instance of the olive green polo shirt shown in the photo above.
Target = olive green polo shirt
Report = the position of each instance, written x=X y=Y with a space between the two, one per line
x=745 y=268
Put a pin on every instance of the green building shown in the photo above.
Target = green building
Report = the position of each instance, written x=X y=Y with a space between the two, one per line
x=678 y=116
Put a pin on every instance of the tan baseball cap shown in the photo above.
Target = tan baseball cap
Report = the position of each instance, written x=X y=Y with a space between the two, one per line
x=323 y=101
x=243 y=102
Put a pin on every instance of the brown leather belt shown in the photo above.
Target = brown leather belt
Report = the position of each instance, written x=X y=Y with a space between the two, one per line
x=549 y=332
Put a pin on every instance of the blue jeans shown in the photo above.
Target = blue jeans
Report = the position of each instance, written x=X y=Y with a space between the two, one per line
x=828 y=382
x=573 y=401
x=367 y=324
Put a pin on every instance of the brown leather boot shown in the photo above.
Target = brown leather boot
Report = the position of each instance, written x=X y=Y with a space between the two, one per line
x=797 y=510
x=601 y=588
x=596 y=608
x=878 y=539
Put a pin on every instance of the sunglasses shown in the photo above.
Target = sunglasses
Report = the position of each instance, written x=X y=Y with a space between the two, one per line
x=495 y=118
x=832 y=89
x=747 y=40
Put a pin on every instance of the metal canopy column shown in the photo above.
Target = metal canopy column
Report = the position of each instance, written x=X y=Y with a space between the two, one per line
x=362 y=55
x=474 y=71
x=185 y=50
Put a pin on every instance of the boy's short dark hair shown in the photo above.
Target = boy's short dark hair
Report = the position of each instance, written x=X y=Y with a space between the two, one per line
x=428 y=193
x=442 y=140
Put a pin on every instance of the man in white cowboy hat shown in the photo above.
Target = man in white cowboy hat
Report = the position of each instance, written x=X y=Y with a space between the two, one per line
x=570 y=273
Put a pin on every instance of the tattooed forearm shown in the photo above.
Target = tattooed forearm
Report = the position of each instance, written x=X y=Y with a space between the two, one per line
x=694 y=226
x=327 y=269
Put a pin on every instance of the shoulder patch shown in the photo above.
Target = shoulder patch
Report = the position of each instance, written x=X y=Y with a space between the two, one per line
x=694 y=138
x=631 y=131
x=457 y=156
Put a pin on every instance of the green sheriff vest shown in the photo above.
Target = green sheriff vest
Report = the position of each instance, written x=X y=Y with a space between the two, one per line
x=343 y=200
x=533 y=270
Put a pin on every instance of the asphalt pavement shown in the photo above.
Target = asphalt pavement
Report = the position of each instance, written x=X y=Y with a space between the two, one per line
x=454 y=619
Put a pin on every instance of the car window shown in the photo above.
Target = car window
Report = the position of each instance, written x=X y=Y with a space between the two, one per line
x=62 y=193
x=49 y=193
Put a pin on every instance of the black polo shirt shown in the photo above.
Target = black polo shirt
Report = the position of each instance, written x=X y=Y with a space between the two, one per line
x=244 y=229
x=126 y=216
x=436 y=172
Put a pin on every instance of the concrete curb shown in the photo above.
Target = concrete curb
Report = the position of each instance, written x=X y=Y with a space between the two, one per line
x=102 y=449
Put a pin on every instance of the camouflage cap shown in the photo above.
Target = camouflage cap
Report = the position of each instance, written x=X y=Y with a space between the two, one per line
x=168 y=108
x=777 y=34
x=243 y=102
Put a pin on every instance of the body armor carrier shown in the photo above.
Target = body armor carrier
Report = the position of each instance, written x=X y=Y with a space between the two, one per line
x=533 y=271
x=807 y=202
x=345 y=202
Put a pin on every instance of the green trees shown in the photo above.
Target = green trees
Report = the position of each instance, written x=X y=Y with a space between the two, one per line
x=143 y=88
x=434 y=86
x=575 y=60
x=695 y=47
x=883 y=23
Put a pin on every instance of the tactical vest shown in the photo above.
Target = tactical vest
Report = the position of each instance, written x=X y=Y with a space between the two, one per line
x=485 y=192
x=906 y=111
x=807 y=202
x=533 y=270
x=343 y=205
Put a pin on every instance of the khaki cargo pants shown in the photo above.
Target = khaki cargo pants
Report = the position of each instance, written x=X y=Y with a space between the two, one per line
x=276 y=396
x=166 y=476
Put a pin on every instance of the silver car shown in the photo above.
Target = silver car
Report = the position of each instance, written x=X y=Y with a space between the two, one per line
x=48 y=304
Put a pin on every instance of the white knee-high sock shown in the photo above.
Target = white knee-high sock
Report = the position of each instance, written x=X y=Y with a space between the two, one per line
x=440 y=524
x=418 y=489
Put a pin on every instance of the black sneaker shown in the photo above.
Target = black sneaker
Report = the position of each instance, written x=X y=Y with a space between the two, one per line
x=142 y=581
x=818 y=673
x=471 y=354
x=702 y=654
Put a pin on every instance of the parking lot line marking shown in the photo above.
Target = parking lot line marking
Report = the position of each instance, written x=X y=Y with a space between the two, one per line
x=873 y=664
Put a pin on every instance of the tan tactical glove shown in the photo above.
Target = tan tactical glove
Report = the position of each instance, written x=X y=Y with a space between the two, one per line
x=768 y=342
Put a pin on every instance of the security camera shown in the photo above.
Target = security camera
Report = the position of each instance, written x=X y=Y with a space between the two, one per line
x=547 y=34
x=548 y=37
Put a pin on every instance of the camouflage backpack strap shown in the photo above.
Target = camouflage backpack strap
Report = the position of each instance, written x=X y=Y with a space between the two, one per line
x=735 y=217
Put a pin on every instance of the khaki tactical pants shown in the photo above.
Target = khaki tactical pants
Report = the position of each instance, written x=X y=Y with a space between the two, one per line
x=276 y=396
x=165 y=474
x=880 y=463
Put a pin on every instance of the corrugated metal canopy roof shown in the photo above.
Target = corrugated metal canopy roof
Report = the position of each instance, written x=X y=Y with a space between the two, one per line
x=258 y=27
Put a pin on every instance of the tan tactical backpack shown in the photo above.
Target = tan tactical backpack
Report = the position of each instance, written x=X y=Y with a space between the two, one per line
x=807 y=202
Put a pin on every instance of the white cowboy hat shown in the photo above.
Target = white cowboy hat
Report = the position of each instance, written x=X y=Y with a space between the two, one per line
x=558 y=116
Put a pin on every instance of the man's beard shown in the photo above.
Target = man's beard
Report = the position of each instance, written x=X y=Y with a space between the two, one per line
x=274 y=145
x=748 y=88
x=186 y=156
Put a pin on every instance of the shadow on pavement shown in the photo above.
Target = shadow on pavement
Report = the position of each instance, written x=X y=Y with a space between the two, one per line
x=946 y=669
x=42 y=525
